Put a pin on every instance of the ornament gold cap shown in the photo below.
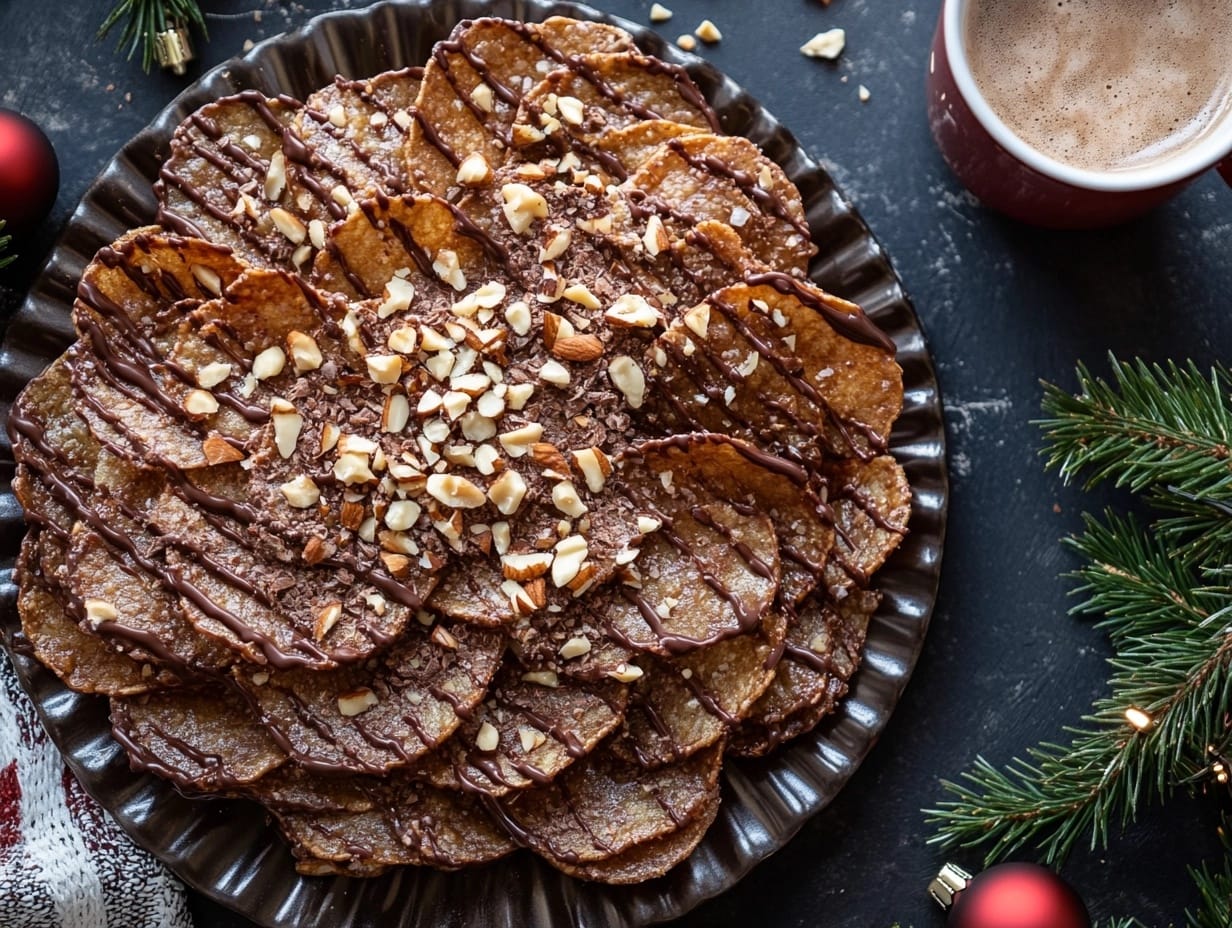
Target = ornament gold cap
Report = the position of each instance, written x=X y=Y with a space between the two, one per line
x=947 y=884
x=173 y=48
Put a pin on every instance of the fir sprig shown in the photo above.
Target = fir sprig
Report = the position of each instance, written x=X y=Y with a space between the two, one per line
x=1163 y=591
x=5 y=260
x=145 y=19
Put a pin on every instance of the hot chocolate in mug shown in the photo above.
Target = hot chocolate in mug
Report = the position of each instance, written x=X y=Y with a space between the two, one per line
x=1081 y=113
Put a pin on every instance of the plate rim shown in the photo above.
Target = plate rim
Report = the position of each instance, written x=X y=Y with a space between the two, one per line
x=248 y=70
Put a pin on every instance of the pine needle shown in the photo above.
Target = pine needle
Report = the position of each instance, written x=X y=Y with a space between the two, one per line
x=5 y=260
x=1163 y=593
x=144 y=19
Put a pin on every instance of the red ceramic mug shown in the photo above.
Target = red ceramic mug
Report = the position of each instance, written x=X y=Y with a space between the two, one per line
x=1010 y=176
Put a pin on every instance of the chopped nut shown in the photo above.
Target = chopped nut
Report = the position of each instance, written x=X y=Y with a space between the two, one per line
x=398 y=293
x=579 y=348
x=289 y=225
x=530 y=738
x=440 y=365
x=655 y=238
x=522 y=206
x=396 y=413
x=316 y=550
x=490 y=405
x=518 y=394
x=486 y=457
x=557 y=243
x=455 y=491
x=648 y=524
x=305 y=353
x=565 y=498
x=628 y=379
x=356 y=702
x=580 y=294
x=99 y=611
x=547 y=455
x=218 y=450
x=384 y=368
x=828 y=44
x=507 y=492
x=518 y=316
x=212 y=374
x=555 y=373
x=698 y=319
x=402 y=340
x=687 y=42
x=546 y=678
x=483 y=97
x=337 y=115
x=287 y=426
x=330 y=434
x=571 y=110
x=327 y=618
x=633 y=311
x=595 y=467
x=659 y=13
x=501 y=537
x=708 y=32
x=401 y=514
x=353 y=468
x=442 y=636
x=276 y=177
x=575 y=647
x=301 y=492
x=269 y=363
x=200 y=403
x=316 y=234
x=526 y=566
x=570 y=553
x=626 y=673
x=518 y=442
x=474 y=171
x=208 y=278
x=864 y=94
x=739 y=217
x=447 y=267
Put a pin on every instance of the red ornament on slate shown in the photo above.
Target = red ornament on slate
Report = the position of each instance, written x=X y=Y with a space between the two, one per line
x=29 y=171
x=1016 y=895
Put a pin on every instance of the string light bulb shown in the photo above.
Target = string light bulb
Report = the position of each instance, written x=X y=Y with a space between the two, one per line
x=1138 y=719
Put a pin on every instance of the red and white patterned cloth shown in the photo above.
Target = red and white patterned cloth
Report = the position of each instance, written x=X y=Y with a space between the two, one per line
x=63 y=862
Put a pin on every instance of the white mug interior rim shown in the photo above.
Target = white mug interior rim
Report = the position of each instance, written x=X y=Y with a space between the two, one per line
x=1193 y=160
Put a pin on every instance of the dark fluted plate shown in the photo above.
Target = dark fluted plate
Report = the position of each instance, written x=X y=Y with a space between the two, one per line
x=228 y=850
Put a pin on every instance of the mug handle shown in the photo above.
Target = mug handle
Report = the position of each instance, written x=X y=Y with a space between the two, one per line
x=1225 y=170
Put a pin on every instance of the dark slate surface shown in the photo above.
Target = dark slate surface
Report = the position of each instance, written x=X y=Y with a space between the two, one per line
x=1003 y=307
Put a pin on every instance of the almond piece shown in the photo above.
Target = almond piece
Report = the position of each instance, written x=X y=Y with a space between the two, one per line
x=327 y=618
x=594 y=465
x=398 y=565
x=547 y=455
x=316 y=550
x=356 y=702
x=218 y=450
x=579 y=348
x=523 y=567
x=454 y=491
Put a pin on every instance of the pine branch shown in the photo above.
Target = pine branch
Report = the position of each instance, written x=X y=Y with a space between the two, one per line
x=144 y=19
x=1150 y=426
x=1215 y=891
x=1181 y=677
x=1136 y=580
x=6 y=260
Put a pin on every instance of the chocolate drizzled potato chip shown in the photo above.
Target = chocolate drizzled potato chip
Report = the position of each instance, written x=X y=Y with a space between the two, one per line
x=464 y=463
x=201 y=739
x=525 y=733
x=368 y=719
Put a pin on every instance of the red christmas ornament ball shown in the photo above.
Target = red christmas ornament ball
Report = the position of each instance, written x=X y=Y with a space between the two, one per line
x=29 y=171
x=1018 y=895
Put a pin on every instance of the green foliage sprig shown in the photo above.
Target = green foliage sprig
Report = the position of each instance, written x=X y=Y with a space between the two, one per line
x=5 y=260
x=1163 y=593
x=145 y=19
